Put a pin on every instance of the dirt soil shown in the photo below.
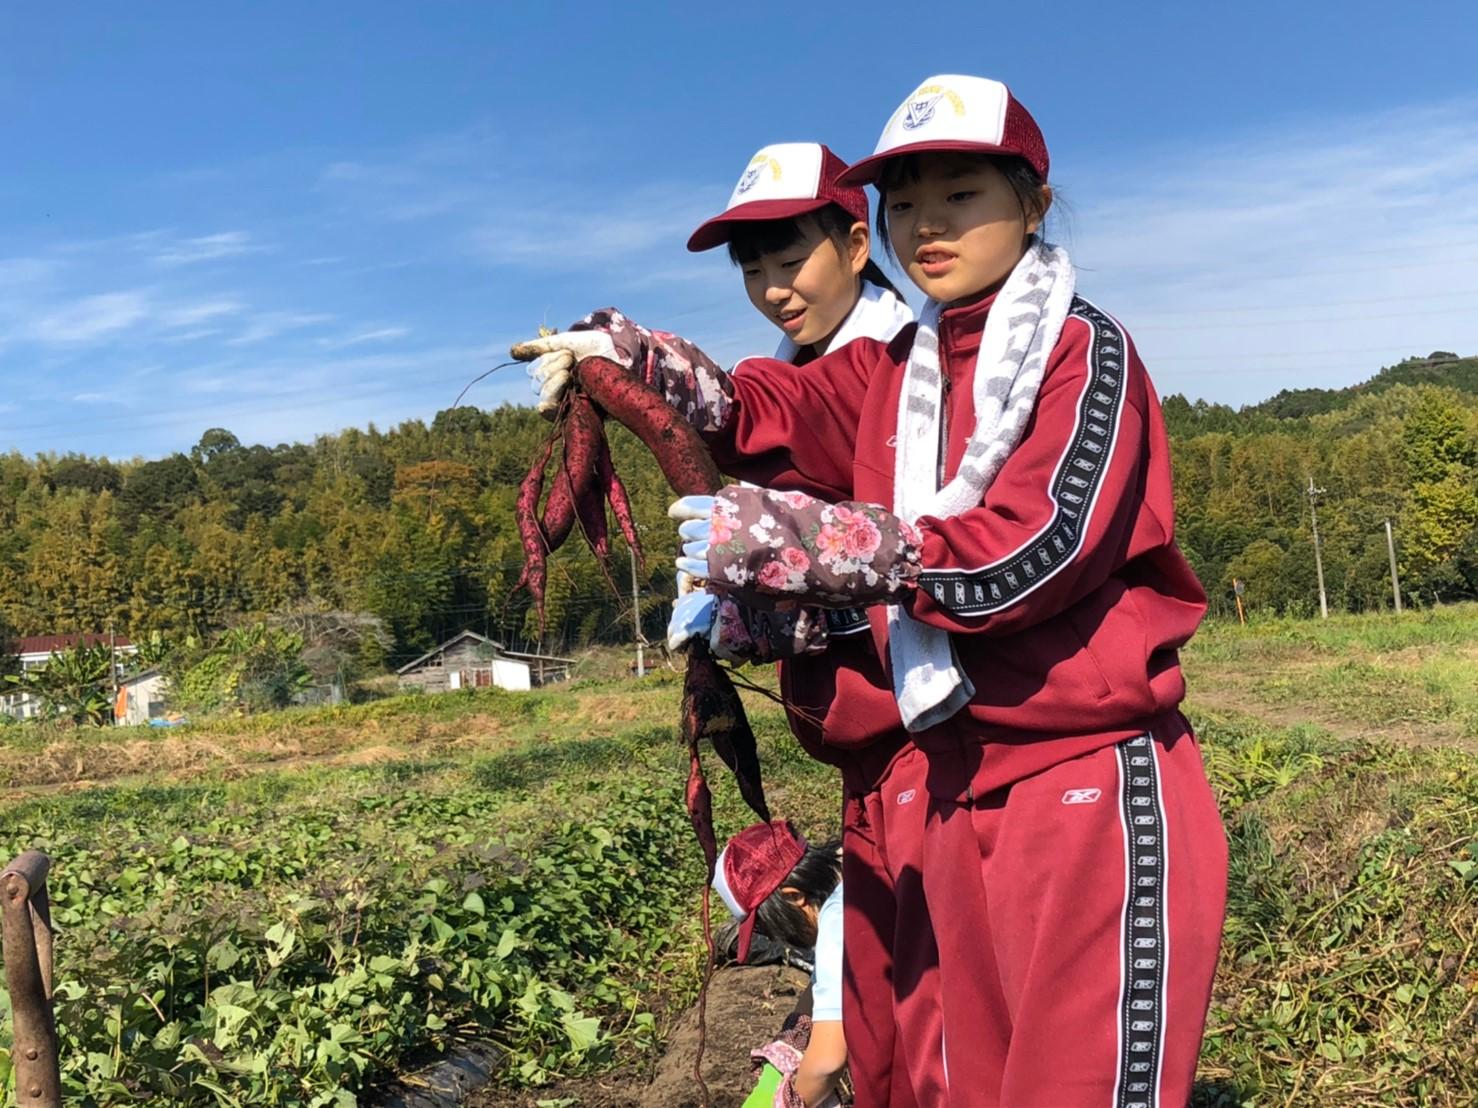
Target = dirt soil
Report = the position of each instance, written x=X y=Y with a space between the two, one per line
x=746 y=1007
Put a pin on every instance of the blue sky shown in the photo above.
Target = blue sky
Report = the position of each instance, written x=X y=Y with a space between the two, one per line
x=285 y=218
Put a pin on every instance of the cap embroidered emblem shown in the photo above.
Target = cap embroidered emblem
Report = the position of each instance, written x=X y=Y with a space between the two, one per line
x=1081 y=796
x=919 y=108
x=906 y=795
x=756 y=170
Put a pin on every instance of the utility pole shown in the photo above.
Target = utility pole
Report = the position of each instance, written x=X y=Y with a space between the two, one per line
x=113 y=665
x=1313 y=495
x=641 y=669
x=1395 y=581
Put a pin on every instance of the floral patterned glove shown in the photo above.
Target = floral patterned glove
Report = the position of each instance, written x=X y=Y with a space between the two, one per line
x=736 y=632
x=767 y=547
x=785 y=1055
x=687 y=378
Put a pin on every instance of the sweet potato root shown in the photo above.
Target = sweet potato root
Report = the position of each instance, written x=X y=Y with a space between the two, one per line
x=526 y=514
x=712 y=710
x=641 y=409
x=615 y=493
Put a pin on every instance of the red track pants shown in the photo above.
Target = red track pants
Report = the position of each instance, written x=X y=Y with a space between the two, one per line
x=1048 y=944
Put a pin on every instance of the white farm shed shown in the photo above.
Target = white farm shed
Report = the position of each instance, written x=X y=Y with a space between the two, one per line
x=468 y=660
x=141 y=697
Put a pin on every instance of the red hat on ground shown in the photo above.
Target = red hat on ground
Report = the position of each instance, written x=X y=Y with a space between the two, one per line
x=782 y=182
x=956 y=113
x=754 y=864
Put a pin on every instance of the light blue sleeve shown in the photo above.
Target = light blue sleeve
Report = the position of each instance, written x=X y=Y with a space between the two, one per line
x=826 y=978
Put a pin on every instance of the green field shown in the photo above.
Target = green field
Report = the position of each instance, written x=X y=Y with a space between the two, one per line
x=286 y=909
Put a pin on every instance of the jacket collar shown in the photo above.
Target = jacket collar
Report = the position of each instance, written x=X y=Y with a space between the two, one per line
x=960 y=328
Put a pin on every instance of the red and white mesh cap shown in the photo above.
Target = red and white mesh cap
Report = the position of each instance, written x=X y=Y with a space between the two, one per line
x=781 y=182
x=754 y=864
x=950 y=112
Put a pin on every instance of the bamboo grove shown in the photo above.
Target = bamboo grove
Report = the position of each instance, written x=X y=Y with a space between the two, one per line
x=415 y=525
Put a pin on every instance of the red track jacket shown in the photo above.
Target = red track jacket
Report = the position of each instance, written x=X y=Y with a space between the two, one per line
x=1065 y=591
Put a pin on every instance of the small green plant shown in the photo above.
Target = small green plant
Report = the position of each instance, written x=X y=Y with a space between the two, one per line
x=289 y=960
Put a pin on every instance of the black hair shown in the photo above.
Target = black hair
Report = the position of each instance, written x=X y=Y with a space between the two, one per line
x=815 y=877
x=1024 y=180
x=751 y=239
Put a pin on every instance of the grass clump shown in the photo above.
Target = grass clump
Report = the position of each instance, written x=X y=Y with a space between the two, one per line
x=1352 y=917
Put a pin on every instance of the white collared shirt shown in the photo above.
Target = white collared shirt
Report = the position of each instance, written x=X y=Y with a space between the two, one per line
x=878 y=314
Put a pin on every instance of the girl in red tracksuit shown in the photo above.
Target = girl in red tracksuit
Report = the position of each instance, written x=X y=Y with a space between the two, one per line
x=1034 y=861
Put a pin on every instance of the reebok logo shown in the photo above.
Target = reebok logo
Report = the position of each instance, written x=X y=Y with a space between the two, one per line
x=906 y=795
x=1081 y=796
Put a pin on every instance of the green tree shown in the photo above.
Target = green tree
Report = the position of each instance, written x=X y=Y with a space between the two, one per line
x=74 y=685
x=1436 y=529
x=1438 y=438
x=249 y=668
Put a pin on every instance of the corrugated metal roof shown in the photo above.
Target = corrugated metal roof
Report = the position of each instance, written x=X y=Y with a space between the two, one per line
x=458 y=637
x=50 y=644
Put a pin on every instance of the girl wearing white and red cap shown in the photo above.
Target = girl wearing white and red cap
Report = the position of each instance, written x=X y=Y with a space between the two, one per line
x=1035 y=864
x=771 y=880
x=802 y=242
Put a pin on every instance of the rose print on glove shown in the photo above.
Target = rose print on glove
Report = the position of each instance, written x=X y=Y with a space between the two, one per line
x=795 y=559
x=775 y=577
x=722 y=523
x=784 y=546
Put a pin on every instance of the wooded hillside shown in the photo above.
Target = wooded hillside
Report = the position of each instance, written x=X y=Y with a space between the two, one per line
x=415 y=524
x=1401 y=446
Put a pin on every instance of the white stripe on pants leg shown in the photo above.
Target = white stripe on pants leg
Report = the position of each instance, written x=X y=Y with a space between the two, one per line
x=1143 y=929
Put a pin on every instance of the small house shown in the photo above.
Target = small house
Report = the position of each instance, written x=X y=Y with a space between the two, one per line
x=468 y=660
x=141 y=698
x=34 y=651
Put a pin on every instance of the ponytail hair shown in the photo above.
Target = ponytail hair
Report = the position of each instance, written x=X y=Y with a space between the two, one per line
x=873 y=273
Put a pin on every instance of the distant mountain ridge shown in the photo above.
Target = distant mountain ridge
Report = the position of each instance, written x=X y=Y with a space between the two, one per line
x=1441 y=368
x=1438 y=368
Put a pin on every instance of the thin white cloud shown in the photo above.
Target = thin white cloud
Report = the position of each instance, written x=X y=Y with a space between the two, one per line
x=23 y=273
x=1298 y=257
x=177 y=337
x=285 y=398
x=442 y=176
x=381 y=334
x=191 y=315
x=269 y=325
x=91 y=318
x=208 y=248
x=518 y=212
x=644 y=230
